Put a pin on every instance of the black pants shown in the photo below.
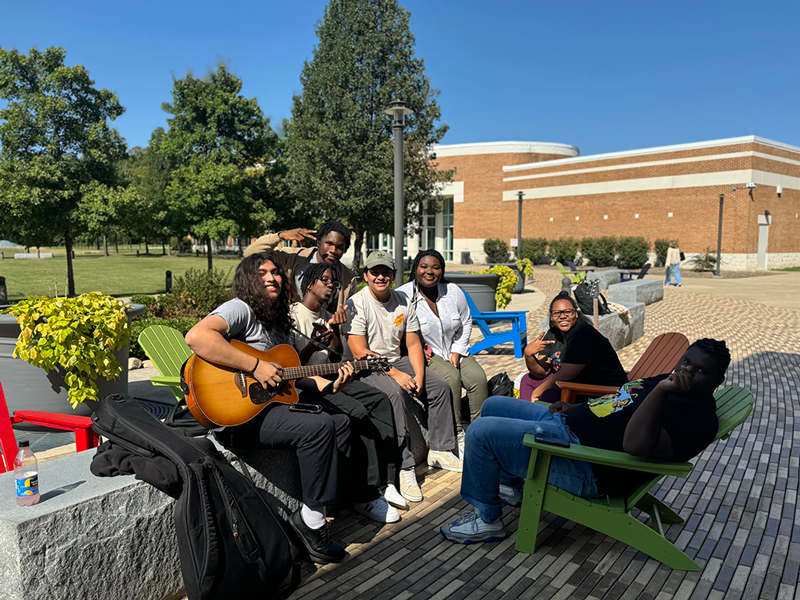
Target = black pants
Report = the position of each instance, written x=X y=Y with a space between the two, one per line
x=317 y=440
x=374 y=456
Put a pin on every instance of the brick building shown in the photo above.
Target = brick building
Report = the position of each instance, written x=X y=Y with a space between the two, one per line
x=669 y=192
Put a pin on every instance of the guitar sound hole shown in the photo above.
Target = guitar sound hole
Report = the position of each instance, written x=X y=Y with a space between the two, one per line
x=259 y=395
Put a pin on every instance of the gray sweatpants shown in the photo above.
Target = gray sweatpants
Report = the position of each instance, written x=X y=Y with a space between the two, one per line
x=436 y=395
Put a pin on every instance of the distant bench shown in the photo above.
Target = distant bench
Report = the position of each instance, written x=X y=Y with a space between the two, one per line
x=32 y=255
x=619 y=330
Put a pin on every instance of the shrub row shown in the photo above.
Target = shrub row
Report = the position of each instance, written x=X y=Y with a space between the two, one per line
x=626 y=252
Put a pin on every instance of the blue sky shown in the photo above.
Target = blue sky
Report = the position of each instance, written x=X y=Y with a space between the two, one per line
x=604 y=76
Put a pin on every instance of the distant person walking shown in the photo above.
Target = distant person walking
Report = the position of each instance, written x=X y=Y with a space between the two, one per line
x=673 y=263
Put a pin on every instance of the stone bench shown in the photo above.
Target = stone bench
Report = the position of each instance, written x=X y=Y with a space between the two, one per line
x=606 y=278
x=32 y=255
x=620 y=331
x=638 y=290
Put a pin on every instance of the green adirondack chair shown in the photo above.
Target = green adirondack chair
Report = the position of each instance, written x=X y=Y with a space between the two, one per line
x=167 y=348
x=575 y=277
x=612 y=515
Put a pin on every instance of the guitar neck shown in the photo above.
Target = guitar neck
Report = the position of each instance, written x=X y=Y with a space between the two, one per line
x=321 y=370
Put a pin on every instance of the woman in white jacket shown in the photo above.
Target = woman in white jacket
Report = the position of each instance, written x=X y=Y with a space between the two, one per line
x=445 y=325
x=673 y=264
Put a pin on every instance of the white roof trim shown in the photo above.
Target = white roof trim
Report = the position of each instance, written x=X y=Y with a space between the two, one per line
x=747 y=139
x=443 y=150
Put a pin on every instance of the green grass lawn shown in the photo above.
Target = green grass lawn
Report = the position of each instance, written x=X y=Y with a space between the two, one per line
x=789 y=269
x=117 y=275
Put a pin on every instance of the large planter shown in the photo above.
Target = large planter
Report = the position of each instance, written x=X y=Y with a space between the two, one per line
x=30 y=388
x=520 y=287
x=481 y=287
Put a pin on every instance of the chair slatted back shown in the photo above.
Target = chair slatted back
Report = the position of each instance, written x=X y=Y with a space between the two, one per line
x=166 y=347
x=8 y=443
x=734 y=405
x=644 y=271
x=660 y=357
x=473 y=309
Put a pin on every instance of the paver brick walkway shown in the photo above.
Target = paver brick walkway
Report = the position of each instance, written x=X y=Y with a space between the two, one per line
x=739 y=503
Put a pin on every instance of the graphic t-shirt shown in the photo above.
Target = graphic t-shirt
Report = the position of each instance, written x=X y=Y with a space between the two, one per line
x=587 y=346
x=553 y=351
x=383 y=323
x=689 y=420
x=245 y=327
x=304 y=320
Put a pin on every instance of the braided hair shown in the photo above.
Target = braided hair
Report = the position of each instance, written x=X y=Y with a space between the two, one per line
x=334 y=227
x=315 y=271
x=718 y=351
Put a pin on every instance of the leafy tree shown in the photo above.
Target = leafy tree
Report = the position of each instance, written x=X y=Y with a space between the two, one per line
x=57 y=146
x=220 y=144
x=340 y=140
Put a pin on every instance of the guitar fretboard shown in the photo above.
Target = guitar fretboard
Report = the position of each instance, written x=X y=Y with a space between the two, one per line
x=326 y=369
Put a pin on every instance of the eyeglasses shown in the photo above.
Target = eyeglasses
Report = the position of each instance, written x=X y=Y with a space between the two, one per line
x=330 y=282
x=562 y=313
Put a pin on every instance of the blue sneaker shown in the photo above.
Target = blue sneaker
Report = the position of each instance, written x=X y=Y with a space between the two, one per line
x=471 y=529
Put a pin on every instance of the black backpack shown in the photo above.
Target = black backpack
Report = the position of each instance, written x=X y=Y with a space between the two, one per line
x=583 y=297
x=231 y=542
x=501 y=385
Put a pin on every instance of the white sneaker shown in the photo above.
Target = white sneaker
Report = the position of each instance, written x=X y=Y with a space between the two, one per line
x=470 y=528
x=445 y=460
x=378 y=510
x=510 y=496
x=460 y=440
x=409 y=488
x=394 y=497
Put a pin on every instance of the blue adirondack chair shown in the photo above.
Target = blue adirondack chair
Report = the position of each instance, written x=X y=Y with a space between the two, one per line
x=518 y=334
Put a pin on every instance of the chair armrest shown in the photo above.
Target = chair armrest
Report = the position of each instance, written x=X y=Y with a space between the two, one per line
x=165 y=380
x=609 y=458
x=570 y=389
x=36 y=417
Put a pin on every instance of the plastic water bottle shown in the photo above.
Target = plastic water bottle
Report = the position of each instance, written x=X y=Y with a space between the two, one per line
x=26 y=473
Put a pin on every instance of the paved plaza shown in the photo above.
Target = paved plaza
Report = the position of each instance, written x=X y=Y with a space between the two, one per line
x=739 y=503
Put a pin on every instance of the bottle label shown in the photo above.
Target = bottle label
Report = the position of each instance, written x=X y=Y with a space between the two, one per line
x=28 y=485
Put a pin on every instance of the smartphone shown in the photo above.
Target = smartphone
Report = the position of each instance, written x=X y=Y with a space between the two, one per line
x=546 y=439
x=313 y=409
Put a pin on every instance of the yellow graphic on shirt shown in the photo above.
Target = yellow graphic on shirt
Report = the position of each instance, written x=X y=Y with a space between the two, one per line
x=399 y=320
x=611 y=403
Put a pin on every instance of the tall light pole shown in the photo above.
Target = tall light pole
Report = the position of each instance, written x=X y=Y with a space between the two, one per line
x=719 y=233
x=398 y=111
x=520 y=196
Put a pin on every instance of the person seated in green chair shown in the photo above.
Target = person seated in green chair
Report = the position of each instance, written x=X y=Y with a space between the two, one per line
x=670 y=416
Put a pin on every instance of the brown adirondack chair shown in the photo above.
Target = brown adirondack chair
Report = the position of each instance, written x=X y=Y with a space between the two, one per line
x=660 y=357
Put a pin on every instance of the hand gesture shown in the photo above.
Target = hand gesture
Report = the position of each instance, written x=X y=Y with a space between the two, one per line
x=561 y=407
x=297 y=235
x=346 y=373
x=322 y=335
x=455 y=359
x=339 y=317
x=405 y=381
x=676 y=383
x=268 y=374
x=419 y=382
x=538 y=345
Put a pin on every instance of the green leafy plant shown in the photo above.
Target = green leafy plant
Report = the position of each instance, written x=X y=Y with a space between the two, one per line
x=632 y=252
x=564 y=250
x=182 y=324
x=534 y=249
x=194 y=294
x=508 y=280
x=182 y=245
x=77 y=335
x=704 y=262
x=525 y=267
x=601 y=251
x=496 y=250
x=661 y=247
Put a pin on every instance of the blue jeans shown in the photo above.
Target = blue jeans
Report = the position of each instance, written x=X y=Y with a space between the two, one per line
x=494 y=454
x=675 y=270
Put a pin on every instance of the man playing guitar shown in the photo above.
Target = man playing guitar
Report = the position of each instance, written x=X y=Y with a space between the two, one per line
x=369 y=409
x=259 y=316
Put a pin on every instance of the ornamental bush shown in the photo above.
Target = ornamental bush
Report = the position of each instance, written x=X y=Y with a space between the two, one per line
x=632 y=252
x=600 y=251
x=564 y=250
x=496 y=250
x=508 y=280
x=661 y=247
x=182 y=324
x=704 y=262
x=534 y=249
x=78 y=335
x=194 y=294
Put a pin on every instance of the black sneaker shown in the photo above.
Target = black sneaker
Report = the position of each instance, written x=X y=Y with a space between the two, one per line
x=321 y=548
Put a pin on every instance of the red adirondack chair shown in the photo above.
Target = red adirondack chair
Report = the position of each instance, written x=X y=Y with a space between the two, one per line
x=660 y=357
x=85 y=438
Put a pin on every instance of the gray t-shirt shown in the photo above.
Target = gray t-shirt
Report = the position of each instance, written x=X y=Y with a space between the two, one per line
x=382 y=323
x=243 y=326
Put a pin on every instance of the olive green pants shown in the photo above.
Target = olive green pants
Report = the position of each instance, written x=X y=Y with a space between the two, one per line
x=470 y=376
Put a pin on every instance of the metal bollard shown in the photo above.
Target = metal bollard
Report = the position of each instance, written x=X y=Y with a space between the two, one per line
x=566 y=285
x=2 y=255
x=169 y=281
x=137 y=252
x=3 y=291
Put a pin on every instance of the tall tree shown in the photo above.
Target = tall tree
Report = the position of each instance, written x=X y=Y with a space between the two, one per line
x=57 y=145
x=340 y=140
x=221 y=144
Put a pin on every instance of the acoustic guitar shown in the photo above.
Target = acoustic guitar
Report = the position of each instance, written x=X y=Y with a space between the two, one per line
x=220 y=396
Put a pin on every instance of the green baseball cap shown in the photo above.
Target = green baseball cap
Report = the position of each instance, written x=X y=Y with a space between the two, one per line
x=380 y=258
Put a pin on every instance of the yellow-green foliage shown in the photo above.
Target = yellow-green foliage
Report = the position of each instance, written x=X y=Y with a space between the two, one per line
x=525 y=266
x=79 y=335
x=508 y=280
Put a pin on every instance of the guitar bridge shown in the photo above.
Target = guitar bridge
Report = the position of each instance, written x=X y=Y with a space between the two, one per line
x=240 y=381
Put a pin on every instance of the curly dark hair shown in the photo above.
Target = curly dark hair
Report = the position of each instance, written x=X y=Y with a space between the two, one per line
x=331 y=227
x=315 y=271
x=248 y=287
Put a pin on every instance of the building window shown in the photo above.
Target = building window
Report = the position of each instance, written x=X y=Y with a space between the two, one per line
x=447 y=227
x=429 y=239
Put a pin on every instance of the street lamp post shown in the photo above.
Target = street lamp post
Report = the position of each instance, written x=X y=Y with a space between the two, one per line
x=719 y=234
x=520 y=196
x=398 y=111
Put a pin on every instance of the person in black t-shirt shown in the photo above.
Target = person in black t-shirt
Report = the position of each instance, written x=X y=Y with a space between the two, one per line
x=671 y=416
x=584 y=354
